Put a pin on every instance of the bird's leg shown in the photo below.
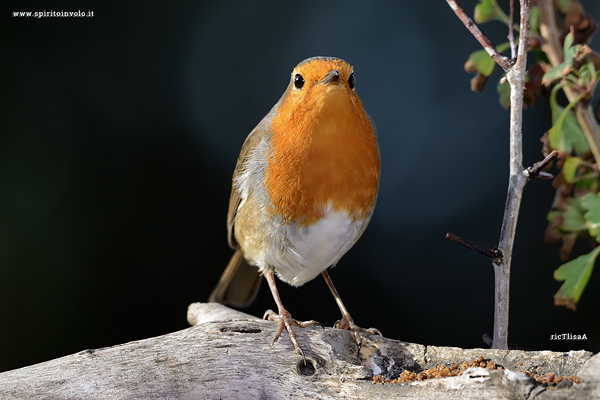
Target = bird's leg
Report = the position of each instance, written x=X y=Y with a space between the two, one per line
x=346 y=322
x=283 y=316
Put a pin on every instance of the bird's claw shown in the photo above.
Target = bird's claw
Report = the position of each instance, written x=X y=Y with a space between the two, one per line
x=347 y=323
x=286 y=322
x=271 y=315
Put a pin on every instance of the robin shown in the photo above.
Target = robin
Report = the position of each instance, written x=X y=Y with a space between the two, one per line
x=304 y=189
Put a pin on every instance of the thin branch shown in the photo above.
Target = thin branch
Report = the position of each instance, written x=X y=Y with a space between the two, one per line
x=516 y=184
x=524 y=33
x=553 y=49
x=511 y=30
x=501 y=16
x=535 y=171
x=494 y=253
x=586 y=119
x=500 y=58
x=549 y=30
x=515 y=74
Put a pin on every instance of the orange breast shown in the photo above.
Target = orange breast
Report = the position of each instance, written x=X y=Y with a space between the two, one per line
x=324 y=154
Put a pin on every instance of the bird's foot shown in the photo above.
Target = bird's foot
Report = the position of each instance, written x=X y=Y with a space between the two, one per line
x=348 y=324
x=286 y=322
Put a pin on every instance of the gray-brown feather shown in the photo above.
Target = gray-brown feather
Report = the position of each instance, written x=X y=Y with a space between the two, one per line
x=260 y=133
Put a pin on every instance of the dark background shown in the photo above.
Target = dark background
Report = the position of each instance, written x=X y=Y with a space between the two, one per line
x=119 y=135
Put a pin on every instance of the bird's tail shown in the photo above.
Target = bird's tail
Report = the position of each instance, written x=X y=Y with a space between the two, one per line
x=238 y=284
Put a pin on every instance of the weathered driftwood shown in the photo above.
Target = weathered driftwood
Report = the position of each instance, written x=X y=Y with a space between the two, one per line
x=226 y=355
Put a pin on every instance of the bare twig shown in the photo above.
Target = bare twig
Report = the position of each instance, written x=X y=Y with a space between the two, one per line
x=494 y=253
x=549 y=30
x=511 y=30
x=500 y=58
x=515 y=74
x=516 y=184
x=535 y=171
x=553 y=49
x=586 y=119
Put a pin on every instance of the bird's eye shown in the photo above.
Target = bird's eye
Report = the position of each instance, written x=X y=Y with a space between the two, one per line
x=351 y=81
x=298 y=81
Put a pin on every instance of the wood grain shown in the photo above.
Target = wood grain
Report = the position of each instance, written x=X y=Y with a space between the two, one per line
x=227 y=355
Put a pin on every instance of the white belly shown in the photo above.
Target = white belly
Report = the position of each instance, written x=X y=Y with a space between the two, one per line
x=306 y=252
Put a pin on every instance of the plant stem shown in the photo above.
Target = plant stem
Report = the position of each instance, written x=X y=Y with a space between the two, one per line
x=515 y=73
x=511 y=31
x=501 y=15
x=500 y=58
x=586 y=119
x=516 y=184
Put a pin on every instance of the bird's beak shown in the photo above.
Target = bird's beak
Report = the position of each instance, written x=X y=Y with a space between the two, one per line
x=332 y=77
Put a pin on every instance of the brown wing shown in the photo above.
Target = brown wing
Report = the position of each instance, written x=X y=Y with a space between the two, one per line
x=234 y=203
x=253 y=139
x=240 y=280
x=234 y=198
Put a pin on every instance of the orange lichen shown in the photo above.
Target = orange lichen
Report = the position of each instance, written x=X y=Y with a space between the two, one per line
x=445 y=371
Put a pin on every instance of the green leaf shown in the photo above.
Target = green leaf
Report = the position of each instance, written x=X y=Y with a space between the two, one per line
x=588 y=70
x=503 y=46
x=564 y=5
x=485 y=11
x=591 y=202
x=573 y=220
x=570 y=168
x=552 y=214
x=576 y=274
x=568 y=48
x=534 y=19
x=574 y=133
x=587 y=183
x=482 y=62
x=566 y=134
x=593 y=74
x=554 y=73
x=569 y=51
x=504 y=91
x=554 y=107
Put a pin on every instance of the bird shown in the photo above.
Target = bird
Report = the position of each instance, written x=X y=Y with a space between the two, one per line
x=303 y=191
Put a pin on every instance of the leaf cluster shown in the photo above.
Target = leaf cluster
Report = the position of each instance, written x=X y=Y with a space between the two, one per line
x=575 y=213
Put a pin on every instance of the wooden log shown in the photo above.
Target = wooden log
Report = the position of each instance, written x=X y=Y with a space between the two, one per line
x=228 y=355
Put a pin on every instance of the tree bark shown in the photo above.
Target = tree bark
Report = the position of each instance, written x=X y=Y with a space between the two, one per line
x=227 y=355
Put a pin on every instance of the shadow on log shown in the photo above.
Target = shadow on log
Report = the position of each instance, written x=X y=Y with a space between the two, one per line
x=226 y=354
